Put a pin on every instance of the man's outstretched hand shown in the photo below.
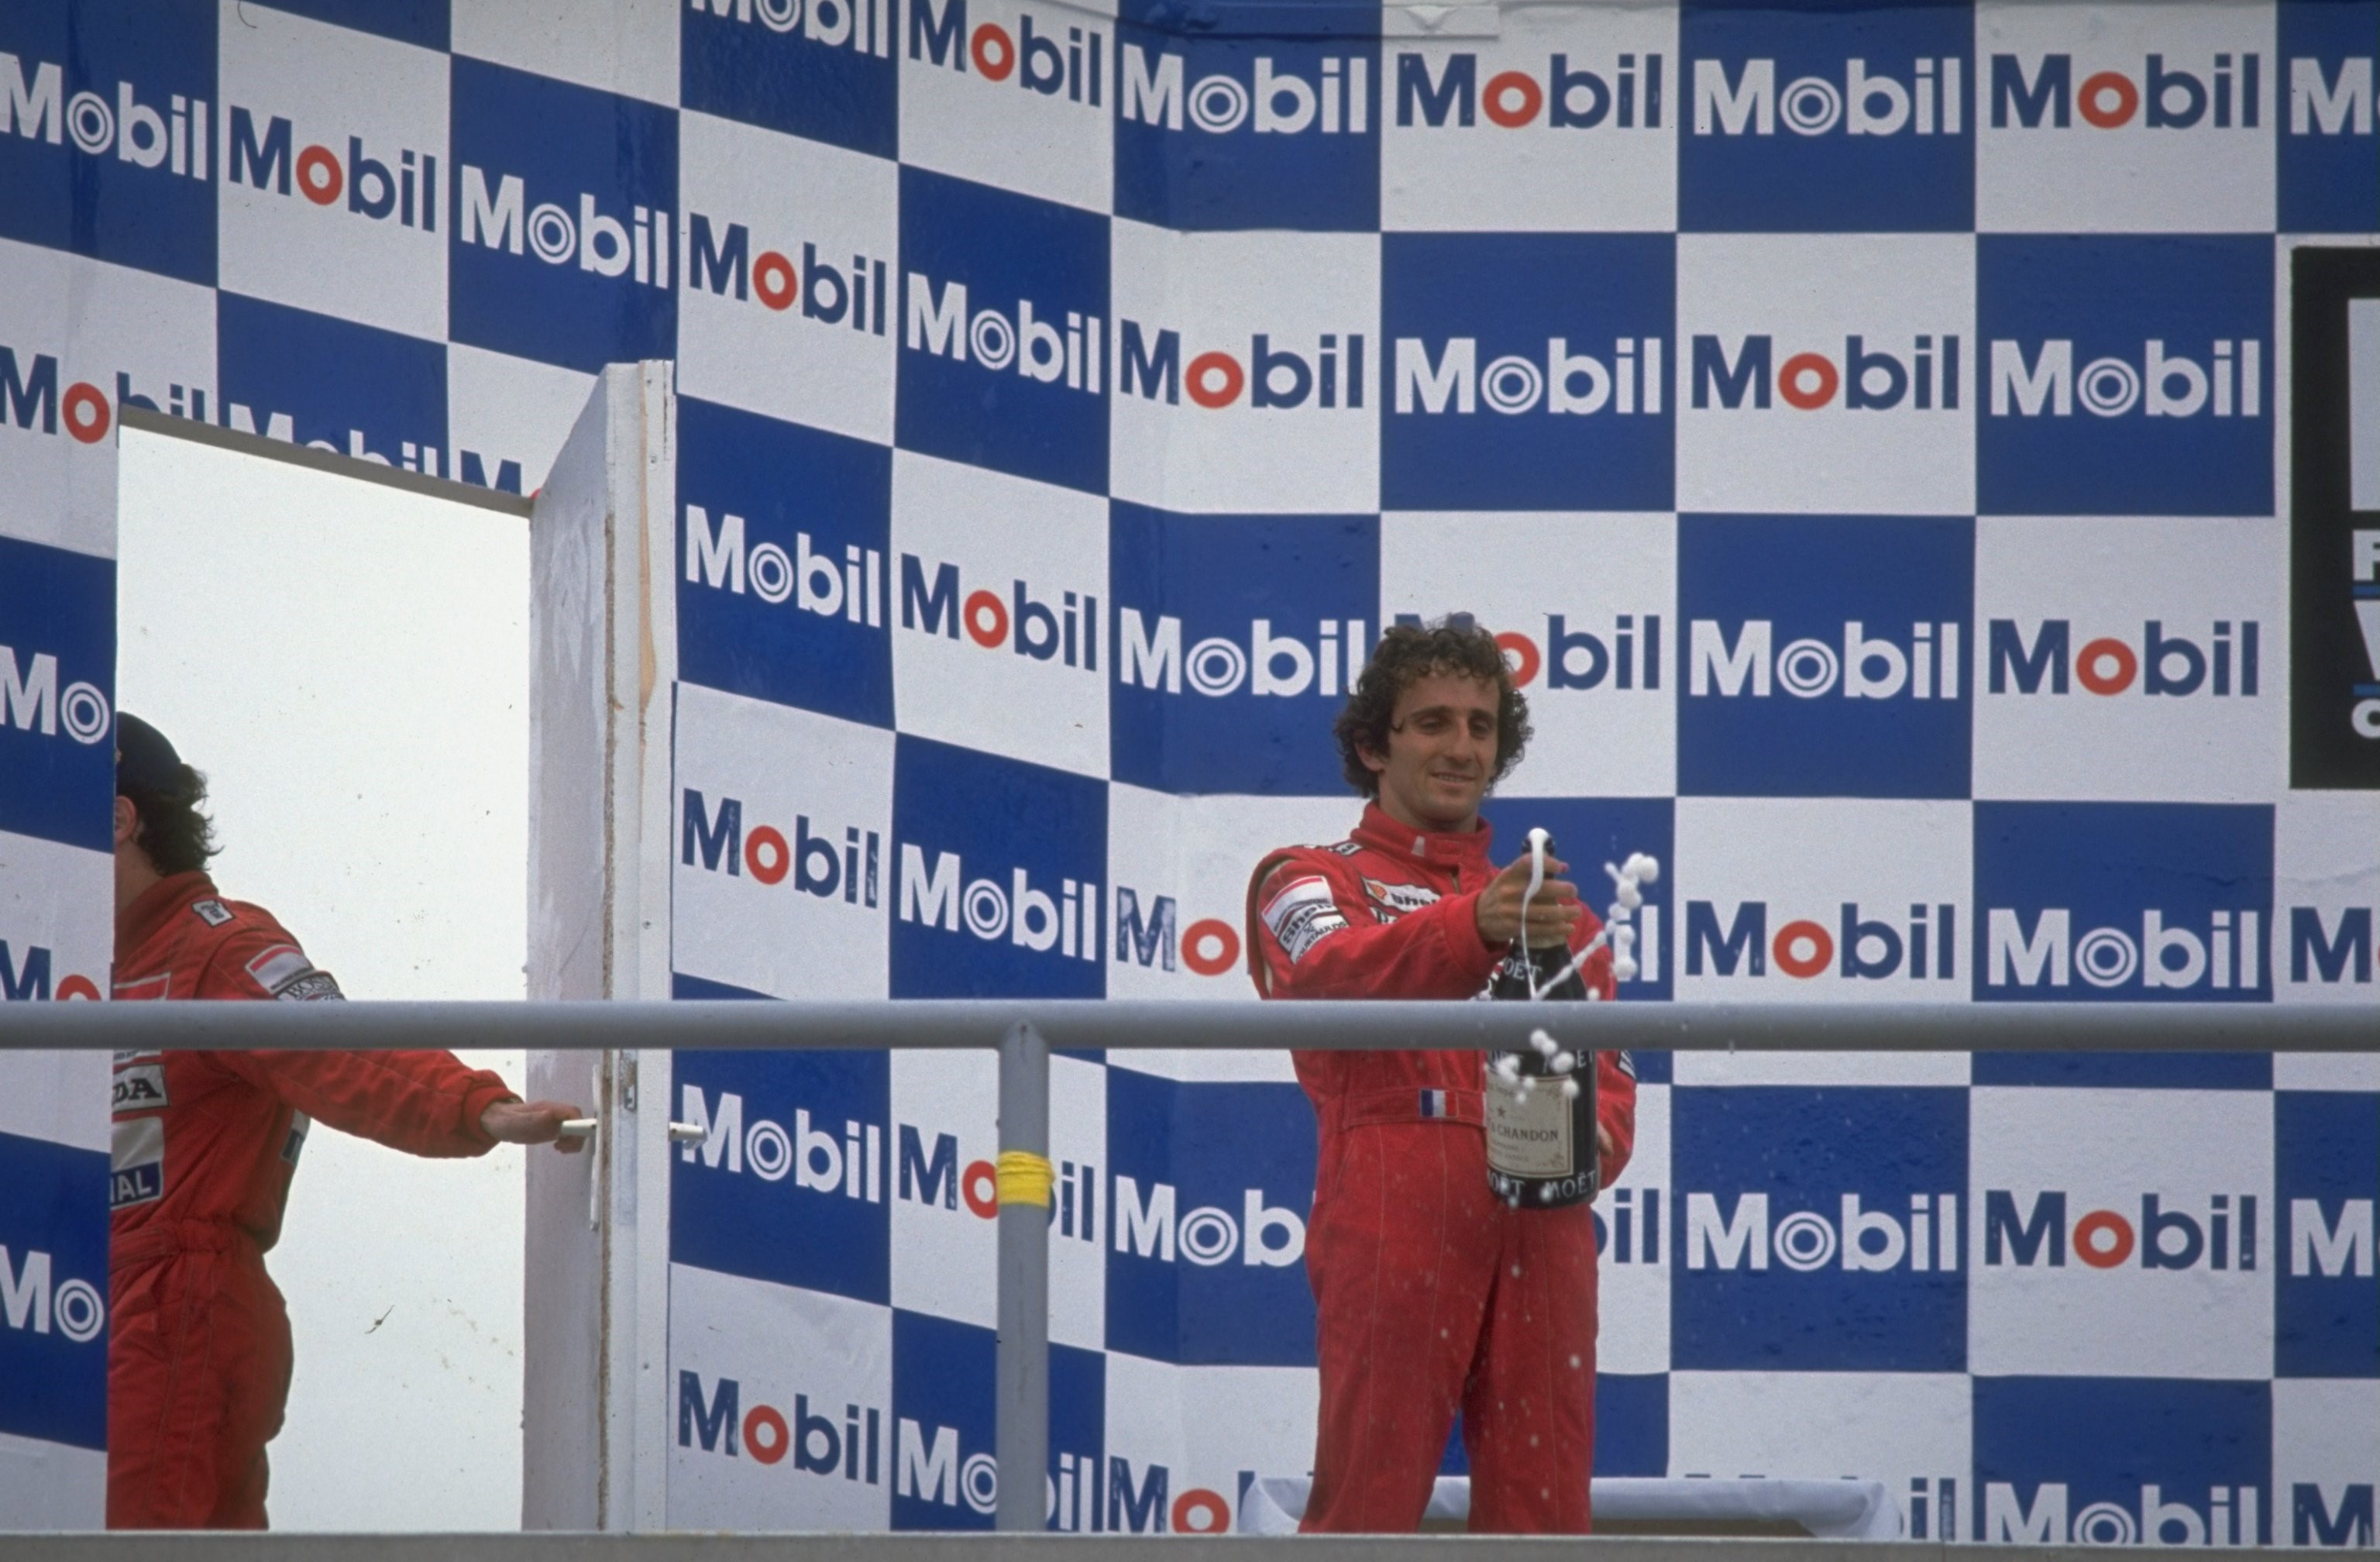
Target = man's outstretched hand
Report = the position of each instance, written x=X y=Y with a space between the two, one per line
x=532 y=1122
x=1552 y=912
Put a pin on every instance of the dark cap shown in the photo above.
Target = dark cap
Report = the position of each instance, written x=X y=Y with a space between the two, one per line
x=145 y=761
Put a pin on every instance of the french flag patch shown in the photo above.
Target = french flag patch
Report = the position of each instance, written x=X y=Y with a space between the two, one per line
x=1433 y=1103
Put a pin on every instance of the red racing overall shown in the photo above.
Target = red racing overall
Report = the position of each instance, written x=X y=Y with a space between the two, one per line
x=1431 y=1295
x=205 y=1144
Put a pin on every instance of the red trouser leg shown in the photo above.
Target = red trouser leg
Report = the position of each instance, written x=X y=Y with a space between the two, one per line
x=1401 y=1251
x=1529 y=1413
x=198 y=1371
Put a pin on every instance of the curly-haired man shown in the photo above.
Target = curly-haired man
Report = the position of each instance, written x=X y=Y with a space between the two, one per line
x=1432 y=1296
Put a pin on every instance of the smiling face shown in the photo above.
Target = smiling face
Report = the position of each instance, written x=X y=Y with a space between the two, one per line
x=1442 y=752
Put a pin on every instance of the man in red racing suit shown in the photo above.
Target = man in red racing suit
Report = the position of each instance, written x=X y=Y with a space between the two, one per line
x=1431 y=1294
x=205 y=1145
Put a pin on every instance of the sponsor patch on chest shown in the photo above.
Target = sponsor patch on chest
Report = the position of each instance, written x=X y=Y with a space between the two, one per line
x=1394 y=900
x=1301 y=914
x=137 y=1162
x=140 y=1087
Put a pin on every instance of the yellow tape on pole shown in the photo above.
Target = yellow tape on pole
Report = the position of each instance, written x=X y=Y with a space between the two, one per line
x=1024 y=1179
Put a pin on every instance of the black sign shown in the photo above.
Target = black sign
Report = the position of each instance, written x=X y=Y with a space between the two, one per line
x=2334 y=544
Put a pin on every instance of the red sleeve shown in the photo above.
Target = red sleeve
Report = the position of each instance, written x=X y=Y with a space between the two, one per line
x=1312 y=935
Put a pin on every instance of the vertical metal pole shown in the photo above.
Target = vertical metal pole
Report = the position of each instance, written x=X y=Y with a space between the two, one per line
x=1023 y=1439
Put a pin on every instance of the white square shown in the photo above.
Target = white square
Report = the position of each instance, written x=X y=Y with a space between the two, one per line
x=1584 y=149
x=1832 y=902
x=98 y=330
x=790 y=313
x=366 y=127
x=1898 y=1428
x=2326 y=1436
x=57 y=899
x=945 y=1257
x=1208 y=1427
x=1012 y=541
x=2197 y=715
x=2109 y=169
x=1861 y=347
x=1587 y=608
x=1043 y=128
x=507 y=416
x=625 y=47
x=1633 y=1262
x=795 y=904
x=2102 y=1156
x=1198 y=421
x=2325 y=893
x=776 y=1343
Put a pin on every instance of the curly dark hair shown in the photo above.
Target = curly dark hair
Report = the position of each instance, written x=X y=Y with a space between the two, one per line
x=177 y=837
x=1455 y=645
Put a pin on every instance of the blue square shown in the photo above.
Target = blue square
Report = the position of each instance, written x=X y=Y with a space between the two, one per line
x=356 y=389
x=1236 y=640
x=1595 y=834
x=997 y=876
x=2329 y=172
x=1525 y=370
x=1631 y=1425
x=408 y=21
x=942 y=1382
x=1212 y=1185
x=1809 y=1235
x=116 y=157
x=57 y=677
x=1273 y=123
x=1824 y=655
x=561 y=246
x=2124 y=377
x=2126 y=1070
x=824 y=69
x=784 y=572
x=2122 y=1462
x=56 y=1214
x=1806 y=117
x=791 y=1182
x=2325 y=1183
x=1004 y=302
x=2124 y=902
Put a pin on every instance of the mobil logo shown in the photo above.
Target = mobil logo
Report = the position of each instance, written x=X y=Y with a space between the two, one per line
x=1793 y=126
x=568 y=228
x=847 y=585
x=36 y=1299
x=1269 y=92
x=24 y=975
x=1002 y=358
x=1866 y=376
x=947 y=1476
x=997 y=876
x=2066 y=1460
x=821 y=862
x=1853 y=946
x=1824 y=655
x=1062 y=59
x=2327 y=126
x=2115 y=901
x=2124 y=375
x=1060 y=628
x=37 y=394
x=841 y=1441
x=2051 y=656
x=1209 y=1185
x=1926 y=97
x=400 y=185
x=1157 y=938
x=35 y=697
x=723 y=258
x=2210 y=1232
x=841 y=1160
x=1235 y=637
x=1563 y=96
x=933 y=1175
x=2220 y=90
x=1146 y=1502
x=1848 y=1236
x=2331 y=945
x=821 y=69
x=2325 y=1185
x=162 y=131
x=564 y=222
x=1527 y=370
x=2330 y=97
x=1271 y=375
x=1851 y=1251
x=1619 y=650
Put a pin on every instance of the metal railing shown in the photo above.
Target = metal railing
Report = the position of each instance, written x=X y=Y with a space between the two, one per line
x=1024 y=1030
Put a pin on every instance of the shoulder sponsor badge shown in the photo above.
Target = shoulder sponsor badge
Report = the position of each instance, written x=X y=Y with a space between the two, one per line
x=214 y=913
x=314 y=986
x=1302 y=913
x=279 y=966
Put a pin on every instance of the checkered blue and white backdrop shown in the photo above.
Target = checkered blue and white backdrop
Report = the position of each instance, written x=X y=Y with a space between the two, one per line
x=1868 y=431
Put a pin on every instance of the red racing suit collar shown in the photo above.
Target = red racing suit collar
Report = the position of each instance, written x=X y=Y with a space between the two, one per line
x=1379 y=831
